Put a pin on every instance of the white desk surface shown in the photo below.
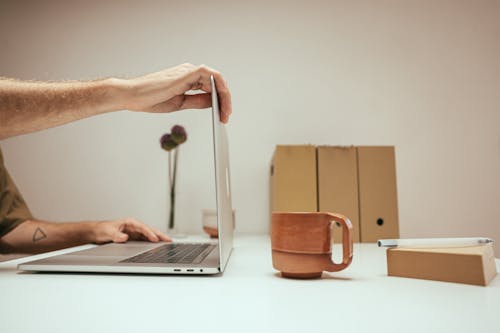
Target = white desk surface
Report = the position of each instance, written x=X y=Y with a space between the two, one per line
x=249 y=297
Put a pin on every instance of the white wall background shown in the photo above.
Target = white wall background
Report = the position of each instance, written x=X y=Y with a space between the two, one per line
x=421 y=75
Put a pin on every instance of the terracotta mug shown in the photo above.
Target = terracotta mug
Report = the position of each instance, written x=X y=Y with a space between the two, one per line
x=301 y=243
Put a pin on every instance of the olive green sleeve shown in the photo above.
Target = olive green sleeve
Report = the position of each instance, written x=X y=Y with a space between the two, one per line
x=13 y=208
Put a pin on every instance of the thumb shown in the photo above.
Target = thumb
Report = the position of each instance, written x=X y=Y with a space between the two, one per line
x=120 y=237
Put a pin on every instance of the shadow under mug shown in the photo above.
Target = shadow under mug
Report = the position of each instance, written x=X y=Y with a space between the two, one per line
x=302 y=243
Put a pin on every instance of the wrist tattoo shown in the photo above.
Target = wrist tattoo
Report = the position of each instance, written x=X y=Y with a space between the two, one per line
x=39 y=235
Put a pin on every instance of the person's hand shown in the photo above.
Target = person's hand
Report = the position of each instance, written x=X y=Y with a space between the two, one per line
x=166 y=91
x=120 y=231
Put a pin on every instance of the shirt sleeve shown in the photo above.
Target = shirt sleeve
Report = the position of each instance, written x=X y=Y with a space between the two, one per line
x=13 y=208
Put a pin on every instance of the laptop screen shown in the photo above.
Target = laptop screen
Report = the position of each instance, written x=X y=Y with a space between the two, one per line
x=222 y=182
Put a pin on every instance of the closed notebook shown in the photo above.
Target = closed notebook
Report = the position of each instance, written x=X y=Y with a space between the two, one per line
x=470 y=264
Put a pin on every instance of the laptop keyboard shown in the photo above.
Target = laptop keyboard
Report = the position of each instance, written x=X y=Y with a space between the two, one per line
x=173 y=253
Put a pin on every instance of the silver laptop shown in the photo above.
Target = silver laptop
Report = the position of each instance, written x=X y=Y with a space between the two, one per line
x=163 y=258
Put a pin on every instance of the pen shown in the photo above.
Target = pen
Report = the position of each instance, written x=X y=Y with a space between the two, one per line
x=434 y=242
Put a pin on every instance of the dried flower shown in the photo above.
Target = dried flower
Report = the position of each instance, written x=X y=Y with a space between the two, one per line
x=179 y=134
x=167 y=142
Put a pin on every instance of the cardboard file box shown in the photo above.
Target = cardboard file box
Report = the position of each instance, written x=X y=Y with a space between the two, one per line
x=338 y=186
x=358 y=182
x=293 y=179
x=471 y=265
x=378 y=201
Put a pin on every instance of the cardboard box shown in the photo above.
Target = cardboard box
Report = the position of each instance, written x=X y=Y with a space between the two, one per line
x=358 y=182
x=378 y=202
x=293 y=179
x=338 y=185
x=471 y=265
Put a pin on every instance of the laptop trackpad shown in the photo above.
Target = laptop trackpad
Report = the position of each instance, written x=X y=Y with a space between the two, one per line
x=117 y=250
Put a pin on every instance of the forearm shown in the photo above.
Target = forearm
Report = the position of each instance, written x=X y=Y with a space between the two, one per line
x=27 y=107
x=37 y=236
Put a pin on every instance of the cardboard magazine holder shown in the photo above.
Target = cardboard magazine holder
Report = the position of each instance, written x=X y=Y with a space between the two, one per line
x=293 y=179
x=358 y=182
x=338 y=186
x=378 y=199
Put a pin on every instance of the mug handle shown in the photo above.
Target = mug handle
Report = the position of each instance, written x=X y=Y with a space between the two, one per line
x=346 y=241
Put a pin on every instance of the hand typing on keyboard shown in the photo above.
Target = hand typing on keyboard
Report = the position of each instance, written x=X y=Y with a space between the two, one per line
x=122 y=230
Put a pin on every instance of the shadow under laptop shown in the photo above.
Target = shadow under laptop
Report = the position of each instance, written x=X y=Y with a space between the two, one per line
x=155 y=275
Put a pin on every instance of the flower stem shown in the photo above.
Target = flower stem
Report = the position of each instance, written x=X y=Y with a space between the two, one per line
x=170 y=169
x=172 y=178
x=172 y=208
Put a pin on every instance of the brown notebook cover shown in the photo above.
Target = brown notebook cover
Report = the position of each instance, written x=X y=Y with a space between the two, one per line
x=471 y=264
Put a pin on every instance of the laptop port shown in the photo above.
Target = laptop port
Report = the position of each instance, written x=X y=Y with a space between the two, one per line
x=177 y=270
x=190 y=270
